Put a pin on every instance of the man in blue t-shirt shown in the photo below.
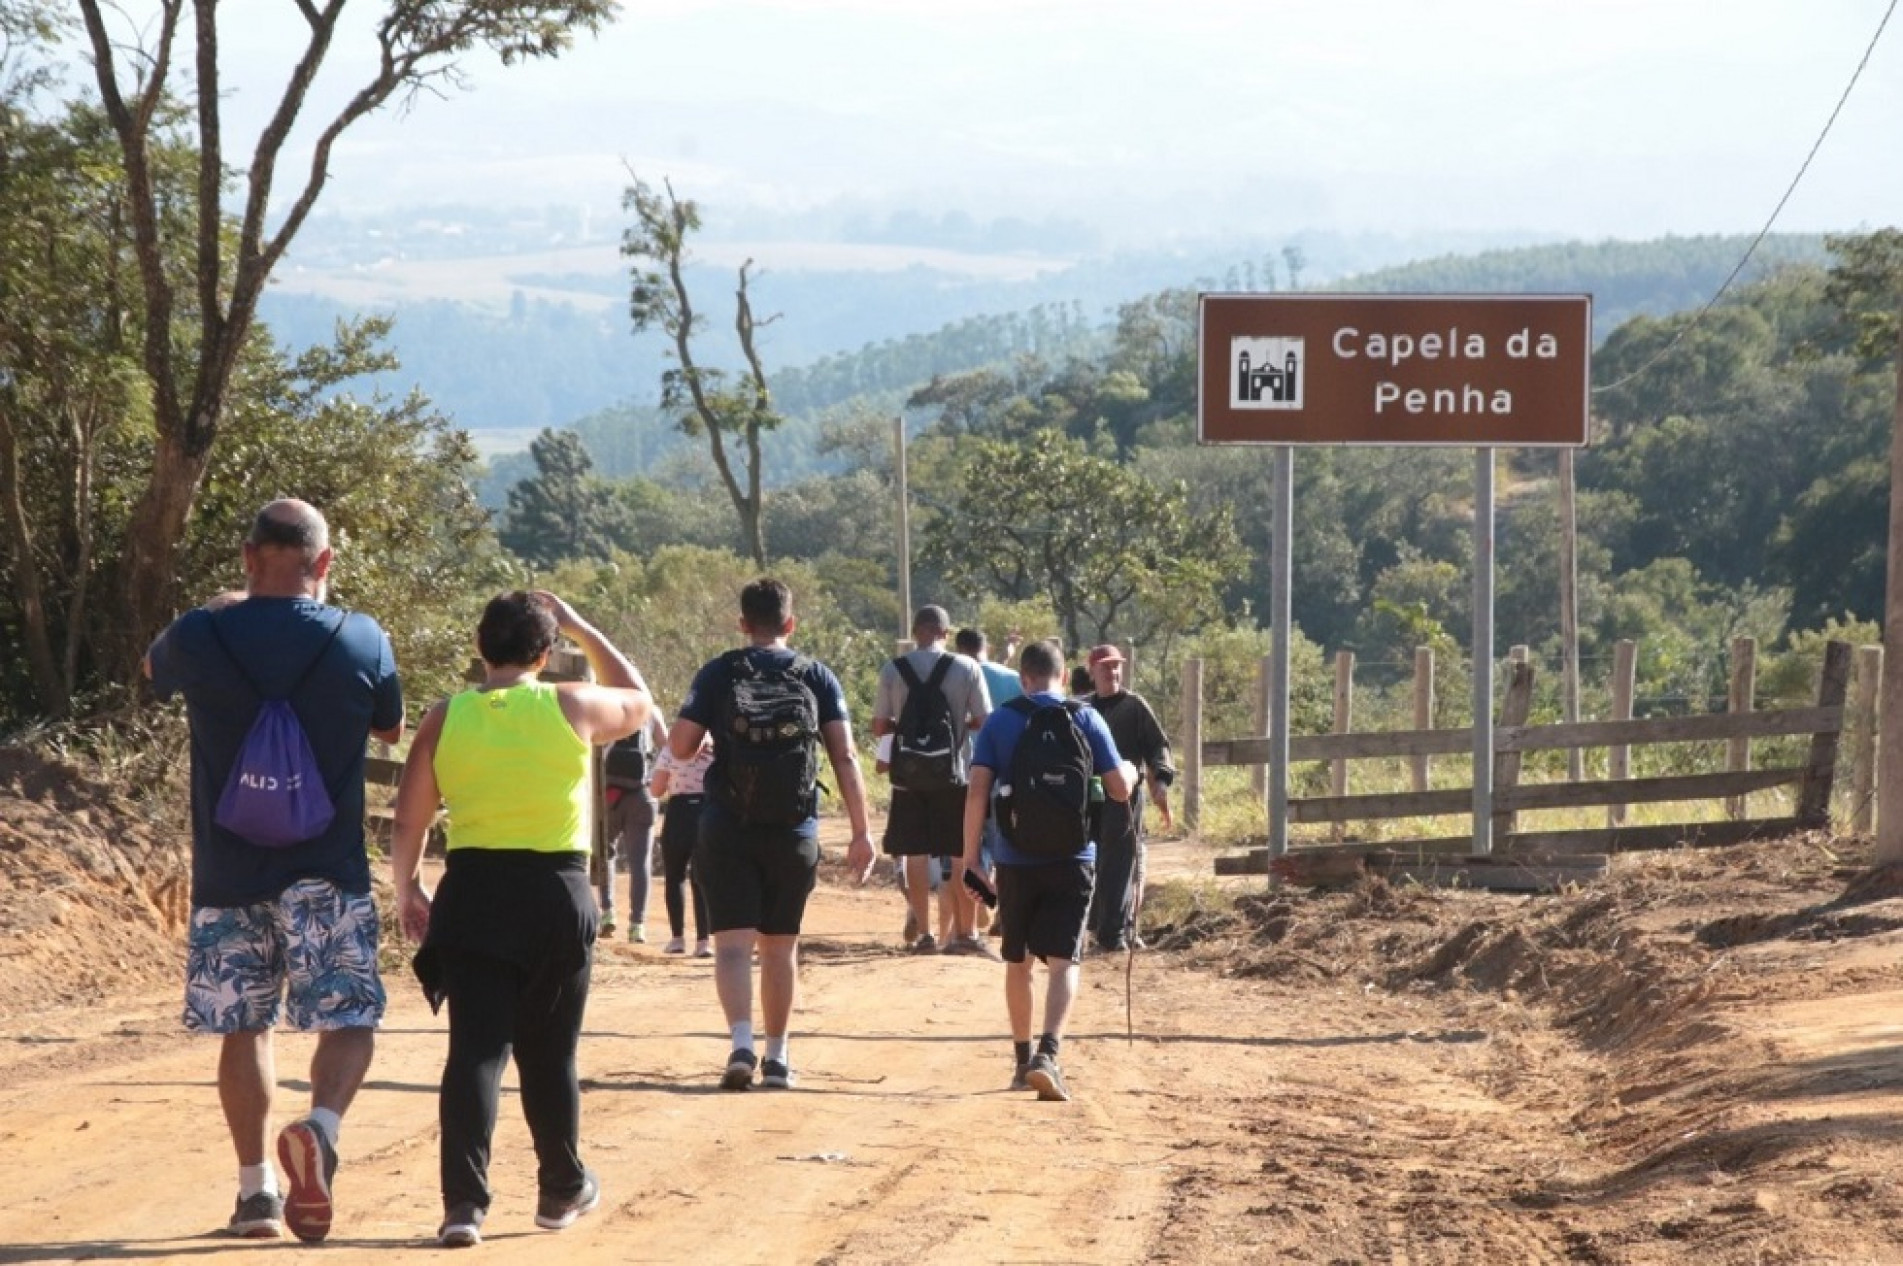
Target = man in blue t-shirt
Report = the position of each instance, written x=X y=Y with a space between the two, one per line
x=1042 y=901
x=758 y=875
x=292 y=926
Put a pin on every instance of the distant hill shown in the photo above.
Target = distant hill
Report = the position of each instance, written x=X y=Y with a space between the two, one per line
x=868 y=338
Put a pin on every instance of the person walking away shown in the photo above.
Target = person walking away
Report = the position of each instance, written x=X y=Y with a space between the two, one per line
x=631 y=814
x=1001 y=684
x=1001 y=680
x=508 y=938
x=769 y=708
x=1123 y=848
x=291 y=926
x=929 y=700
x=681 y=786
x=1046 y=855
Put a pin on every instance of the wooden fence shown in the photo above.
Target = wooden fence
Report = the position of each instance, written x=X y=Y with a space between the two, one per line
x=1812 y=781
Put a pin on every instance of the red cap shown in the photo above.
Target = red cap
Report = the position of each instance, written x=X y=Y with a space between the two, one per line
x=1105 y=654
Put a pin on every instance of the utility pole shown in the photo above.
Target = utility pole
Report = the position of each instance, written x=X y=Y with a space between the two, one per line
x=905 y=534
x=1890 y=719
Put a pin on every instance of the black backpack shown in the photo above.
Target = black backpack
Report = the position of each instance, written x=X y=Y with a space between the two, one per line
x=1047 y=810
x=926 y=744
x=626 y=762
x=767 y=743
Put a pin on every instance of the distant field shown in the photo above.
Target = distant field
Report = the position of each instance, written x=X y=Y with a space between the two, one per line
x=496 y=441
x=492 y=281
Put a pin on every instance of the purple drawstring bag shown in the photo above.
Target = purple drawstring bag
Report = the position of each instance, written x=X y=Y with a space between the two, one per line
x=275 y=796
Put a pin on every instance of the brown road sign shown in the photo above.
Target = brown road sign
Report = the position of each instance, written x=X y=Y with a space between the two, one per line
x=1470 y=370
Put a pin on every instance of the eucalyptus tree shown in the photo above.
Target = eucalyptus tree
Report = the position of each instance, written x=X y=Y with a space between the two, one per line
x=194 y=328
x=708 y=401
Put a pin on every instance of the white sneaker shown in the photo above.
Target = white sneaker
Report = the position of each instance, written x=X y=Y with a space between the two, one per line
x=703 y=949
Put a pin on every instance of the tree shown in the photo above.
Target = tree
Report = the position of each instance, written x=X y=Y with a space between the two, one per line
x=658 y=298
x=1112 y=553
x=564 y=511
x=193 y=341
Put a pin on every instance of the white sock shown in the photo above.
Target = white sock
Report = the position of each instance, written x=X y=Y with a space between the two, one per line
x=255 y=1178
x=328 y=1122
x=776 y=1048
x=743 y=1035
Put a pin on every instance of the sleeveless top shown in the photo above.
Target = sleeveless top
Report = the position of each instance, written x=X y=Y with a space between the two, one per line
x=513 y=772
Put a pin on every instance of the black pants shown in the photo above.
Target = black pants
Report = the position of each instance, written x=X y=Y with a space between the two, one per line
x=679 y=830
x=496 y=1007
x=1120 y=867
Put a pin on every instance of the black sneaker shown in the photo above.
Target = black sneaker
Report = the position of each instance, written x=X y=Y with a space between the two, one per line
x=1044 y=1077
x=555 y=1213
x=257 y=1217
x=462 y=1227
x=775 y=1075
x=310 y=1165
x=1021 y=1079
x=739 y=1074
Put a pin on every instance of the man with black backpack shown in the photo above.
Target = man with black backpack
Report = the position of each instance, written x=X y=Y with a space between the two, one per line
x=1049 y=760
x=769 y=710
x=282 y=915
x=930 y=700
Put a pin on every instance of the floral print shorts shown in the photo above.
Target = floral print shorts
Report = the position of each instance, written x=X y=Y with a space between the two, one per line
x=313 y=949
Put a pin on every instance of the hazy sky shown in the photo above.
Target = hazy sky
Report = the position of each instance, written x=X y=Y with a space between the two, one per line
x=1161 y=118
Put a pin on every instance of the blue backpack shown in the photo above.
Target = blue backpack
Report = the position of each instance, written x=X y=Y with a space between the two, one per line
x=275 y=796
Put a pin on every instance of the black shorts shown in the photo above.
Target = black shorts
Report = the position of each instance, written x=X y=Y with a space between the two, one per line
x=1043 y=909
x=925 y=823
x=754 y=876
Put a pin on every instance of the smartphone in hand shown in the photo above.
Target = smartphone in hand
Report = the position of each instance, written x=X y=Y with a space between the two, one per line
x=981 y=888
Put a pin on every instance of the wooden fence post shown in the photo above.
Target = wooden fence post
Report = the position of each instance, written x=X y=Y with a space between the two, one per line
x=1344 y=723
x=1517 y=654
x=1813 y=799
x=1863 y=741
x=1625 y=675
x=1744 y=688
x=1514 y=710
x=1259 y=775
x=1192 y=798
x=1423 y=707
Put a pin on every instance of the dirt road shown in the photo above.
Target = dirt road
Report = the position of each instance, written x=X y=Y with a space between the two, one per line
x=1320 y=1110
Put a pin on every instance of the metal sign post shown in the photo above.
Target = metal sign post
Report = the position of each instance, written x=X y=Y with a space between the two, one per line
x=1281 y=629
x=1483 y=652
x=1467 y=371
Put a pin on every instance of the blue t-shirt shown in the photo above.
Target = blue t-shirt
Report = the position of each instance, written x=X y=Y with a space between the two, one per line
x=1001 y=682
x=714 y=683
x=998 y=742
x=352 y=690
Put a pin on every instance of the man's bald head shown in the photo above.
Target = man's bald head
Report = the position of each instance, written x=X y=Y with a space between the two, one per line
x=288 y=548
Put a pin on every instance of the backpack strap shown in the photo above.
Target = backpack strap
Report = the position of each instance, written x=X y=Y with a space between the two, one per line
x=907 y=672
x=940 y=671
x=1022 y=705
x=342 y=619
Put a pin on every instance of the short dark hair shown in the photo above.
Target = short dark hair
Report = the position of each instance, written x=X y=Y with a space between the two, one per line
x=1040 y=659
x=969 y=641
x=291 y=525
x=515 y=629
x=930 y=617
x=1080 y=682
x=766 y=605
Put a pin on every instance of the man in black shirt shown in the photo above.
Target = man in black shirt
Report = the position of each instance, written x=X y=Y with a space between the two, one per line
x=1120 y=847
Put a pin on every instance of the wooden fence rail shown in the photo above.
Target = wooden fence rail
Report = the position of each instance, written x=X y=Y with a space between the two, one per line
x=1812 y=781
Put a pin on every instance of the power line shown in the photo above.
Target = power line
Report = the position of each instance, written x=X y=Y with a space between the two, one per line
x=1775 y=211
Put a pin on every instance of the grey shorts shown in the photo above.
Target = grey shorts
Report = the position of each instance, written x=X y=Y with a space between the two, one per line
x=312 y=949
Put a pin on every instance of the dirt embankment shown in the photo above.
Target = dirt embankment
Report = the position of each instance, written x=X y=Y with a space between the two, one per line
x=1700 y=1058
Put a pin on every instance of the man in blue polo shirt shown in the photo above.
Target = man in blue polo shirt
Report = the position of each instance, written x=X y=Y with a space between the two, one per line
x=282 y=926
x=1043 y=900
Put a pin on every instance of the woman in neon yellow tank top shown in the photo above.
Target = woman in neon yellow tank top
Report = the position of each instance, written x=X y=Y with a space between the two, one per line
x=508 y=940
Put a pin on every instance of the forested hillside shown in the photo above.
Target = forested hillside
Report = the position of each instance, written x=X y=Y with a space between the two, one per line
x=839 y=335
